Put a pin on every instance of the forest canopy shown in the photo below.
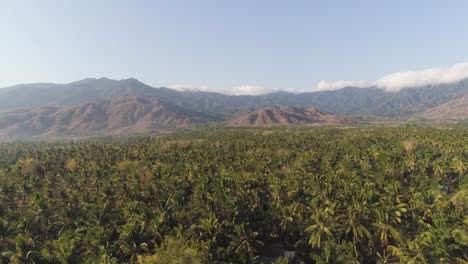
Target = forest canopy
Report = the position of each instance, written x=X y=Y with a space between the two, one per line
x=330 y=195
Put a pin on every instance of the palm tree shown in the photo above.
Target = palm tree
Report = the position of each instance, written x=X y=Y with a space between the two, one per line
x=320 y=232
x=386 y=234
x=25 y=251
x=64 y=250
x=244 y=243
x=460 y=167
x=133 y=240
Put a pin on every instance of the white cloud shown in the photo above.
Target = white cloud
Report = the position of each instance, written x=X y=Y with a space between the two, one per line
x=182 y=87
x=238 y=90
x=249 y=90
x=397 y=81
x=392 y=82
x=324 y=85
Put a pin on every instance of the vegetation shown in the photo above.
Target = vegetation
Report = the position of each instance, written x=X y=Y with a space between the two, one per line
x=334 y=195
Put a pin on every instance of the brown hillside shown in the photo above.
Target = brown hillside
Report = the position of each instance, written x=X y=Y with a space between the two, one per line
x=454 y=109
x=284 y=116
x=121 y=115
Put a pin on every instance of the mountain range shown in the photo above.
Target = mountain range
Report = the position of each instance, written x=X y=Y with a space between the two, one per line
x=346 y=101
x=106 y=106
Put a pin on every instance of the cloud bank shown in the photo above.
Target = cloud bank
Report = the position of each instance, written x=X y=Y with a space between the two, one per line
x=238 y=90
x=397 y=81
x=434 y=76
x=326 y=86
x=391 y=83
x=250 y=90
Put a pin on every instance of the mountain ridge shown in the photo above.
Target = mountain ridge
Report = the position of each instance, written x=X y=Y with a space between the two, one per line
x=285 y=116
x=370 y=101
x=130 y=114
x=456 y=109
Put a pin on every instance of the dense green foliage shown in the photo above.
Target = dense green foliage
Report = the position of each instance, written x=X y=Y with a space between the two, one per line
x=351 y=195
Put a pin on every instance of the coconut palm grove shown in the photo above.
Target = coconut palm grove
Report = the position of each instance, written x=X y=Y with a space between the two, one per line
x=366 y=194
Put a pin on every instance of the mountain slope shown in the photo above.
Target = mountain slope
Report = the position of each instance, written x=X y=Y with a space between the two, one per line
x=346 y=101
x=454 y=109
x=27 y=96
x=284 y=116
x=128 y=114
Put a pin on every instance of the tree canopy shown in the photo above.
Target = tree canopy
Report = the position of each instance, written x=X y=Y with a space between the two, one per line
x=333 y=195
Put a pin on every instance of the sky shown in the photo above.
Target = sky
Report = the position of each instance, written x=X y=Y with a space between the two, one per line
x=237 y=47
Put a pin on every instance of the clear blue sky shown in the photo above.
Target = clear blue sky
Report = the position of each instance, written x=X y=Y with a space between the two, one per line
x=277 y=44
